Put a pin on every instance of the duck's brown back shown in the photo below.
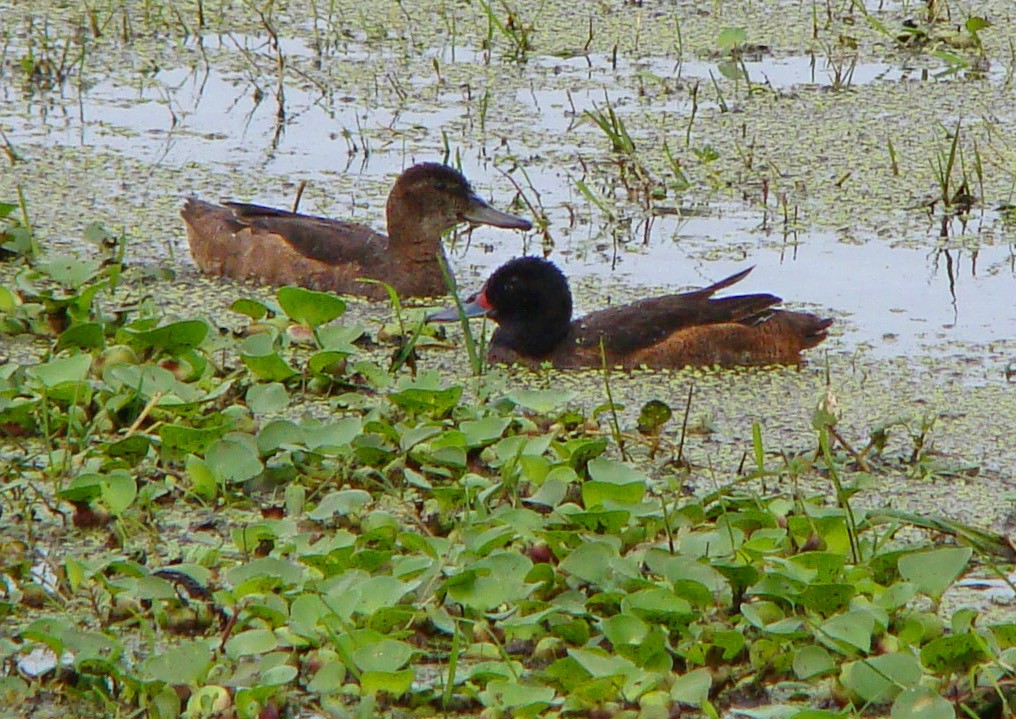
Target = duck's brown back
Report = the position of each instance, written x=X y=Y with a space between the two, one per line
x=276 y=247
x=631 y=328
x=777 y=338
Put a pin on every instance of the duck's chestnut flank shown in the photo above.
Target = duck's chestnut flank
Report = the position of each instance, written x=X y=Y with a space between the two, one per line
x=276 y=247
x=530 y=300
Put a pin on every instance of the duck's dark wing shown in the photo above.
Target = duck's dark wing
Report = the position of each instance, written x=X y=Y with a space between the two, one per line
x=319 y=238
x=247 y=212
x=630 y=328
x=643 y=324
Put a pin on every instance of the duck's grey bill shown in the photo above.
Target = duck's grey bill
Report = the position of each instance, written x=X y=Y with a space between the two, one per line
x=451 y=314
x=480 y=213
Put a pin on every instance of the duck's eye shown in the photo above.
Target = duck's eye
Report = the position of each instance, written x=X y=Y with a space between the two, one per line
x=518 y=287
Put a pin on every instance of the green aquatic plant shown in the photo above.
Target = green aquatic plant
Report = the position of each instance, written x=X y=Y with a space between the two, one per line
x=405 y=355
x=954 y=192
x=516 y=29
x=635 y=175
x=614 y=128
x=503 y=533
x=731 y=41
x=475 y=349
x=48 y=61
x=16 y=236
x=13 y=156
x=681 y=182
x=596 y=199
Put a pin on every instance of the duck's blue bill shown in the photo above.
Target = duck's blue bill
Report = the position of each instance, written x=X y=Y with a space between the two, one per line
x=471 y=308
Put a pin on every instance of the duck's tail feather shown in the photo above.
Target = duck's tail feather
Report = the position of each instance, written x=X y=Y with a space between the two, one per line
x=807 y=328
x=717 y=286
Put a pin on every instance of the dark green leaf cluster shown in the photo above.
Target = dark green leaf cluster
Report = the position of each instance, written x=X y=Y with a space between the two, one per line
x=414 y=547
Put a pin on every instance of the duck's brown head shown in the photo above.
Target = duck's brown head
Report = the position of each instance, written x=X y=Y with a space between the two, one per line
x=430 y=198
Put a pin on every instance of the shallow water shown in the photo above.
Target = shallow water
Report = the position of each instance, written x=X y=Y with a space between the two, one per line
x=205 y=115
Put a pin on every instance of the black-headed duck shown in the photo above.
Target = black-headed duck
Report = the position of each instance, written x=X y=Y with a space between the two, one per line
x=277 y=247
x=530 y=300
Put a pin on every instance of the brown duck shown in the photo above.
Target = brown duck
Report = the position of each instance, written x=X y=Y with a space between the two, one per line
x=277 y=247
x=530 y=300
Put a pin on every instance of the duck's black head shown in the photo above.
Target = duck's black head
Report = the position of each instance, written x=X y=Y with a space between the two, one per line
x=530 y=299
